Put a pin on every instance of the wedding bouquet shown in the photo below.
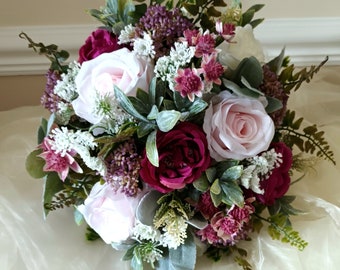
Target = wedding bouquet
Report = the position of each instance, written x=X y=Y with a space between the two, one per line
x=170 y=134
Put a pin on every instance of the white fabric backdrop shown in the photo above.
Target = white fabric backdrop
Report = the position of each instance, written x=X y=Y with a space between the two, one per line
x=27 y=241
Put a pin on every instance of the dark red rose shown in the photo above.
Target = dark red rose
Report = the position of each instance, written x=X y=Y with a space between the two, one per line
x=100 y=41
x=278 y=182
x=183 y=156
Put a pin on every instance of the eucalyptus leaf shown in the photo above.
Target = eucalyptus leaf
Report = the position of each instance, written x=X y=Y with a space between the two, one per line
x=247 y=84
x=35 y=164
x=153 y=113
x=52 y=186
x=275 y=64
x=184 y=256
x=240 y=91
x=151 y=148
x=251 y=69
x=274 y=104
x=78 y=217
x=166 y=120
x=147 y=207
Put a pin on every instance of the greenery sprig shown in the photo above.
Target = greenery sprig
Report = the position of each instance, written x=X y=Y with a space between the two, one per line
x=57 y=57
x=308 y=140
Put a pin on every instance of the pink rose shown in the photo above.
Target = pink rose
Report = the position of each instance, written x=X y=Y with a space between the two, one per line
x=111 y=214
x=279 y=181
x=97 y=77
x=100 y=41
x=237 y=127
x=183 y=156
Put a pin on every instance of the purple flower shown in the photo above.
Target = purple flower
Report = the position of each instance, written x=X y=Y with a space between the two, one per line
x=50 y=100
x=165 y=26
x=123 y=166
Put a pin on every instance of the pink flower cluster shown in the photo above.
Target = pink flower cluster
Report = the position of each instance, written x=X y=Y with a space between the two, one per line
x=189 y=81
x=55 y=162
x=228 y=226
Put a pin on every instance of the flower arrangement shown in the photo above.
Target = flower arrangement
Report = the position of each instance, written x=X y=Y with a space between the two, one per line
x=171 y=133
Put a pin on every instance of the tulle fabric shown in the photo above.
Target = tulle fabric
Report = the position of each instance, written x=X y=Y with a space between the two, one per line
x=27 y=241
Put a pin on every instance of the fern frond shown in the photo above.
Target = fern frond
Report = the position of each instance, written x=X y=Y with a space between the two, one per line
x=308 y=140
x=291 y=80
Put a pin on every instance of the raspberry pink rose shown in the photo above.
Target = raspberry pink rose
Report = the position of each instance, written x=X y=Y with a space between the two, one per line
x=277 y=184
x=100 y=41
x=97 y=77
x=237 y=127
x=183 y=156
x=111 y=214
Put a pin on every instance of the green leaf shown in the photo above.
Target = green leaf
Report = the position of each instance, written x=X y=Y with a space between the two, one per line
x=144 y=129
x=151 y=148
x=34 y=164
x=166 y=120
x=240 y=91
x=153 y=113
x=215 y=187
x=274 y=104
x=202 y=183
x=275 y=64
x=216 y=198
x=52 y=186
x=232 y=194
x=42 y=131
x=147 y=207
x=126 y=104
x=78 y=217
x=184 y=256
x=251 y=69
x=232 y=173
x=211 y=174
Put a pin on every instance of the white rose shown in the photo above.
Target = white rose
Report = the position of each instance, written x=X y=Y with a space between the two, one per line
x=244 y=44
x=111 y=214
x=98 y=76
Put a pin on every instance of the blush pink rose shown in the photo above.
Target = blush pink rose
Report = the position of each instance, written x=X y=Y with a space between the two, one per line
x=100 y=41
x=183 y=156
x=98 y=76
x=237 y=127
x=111 y=214
x=277 y=184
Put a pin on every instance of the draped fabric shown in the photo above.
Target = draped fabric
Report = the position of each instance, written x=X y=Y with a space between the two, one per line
x=27 y=241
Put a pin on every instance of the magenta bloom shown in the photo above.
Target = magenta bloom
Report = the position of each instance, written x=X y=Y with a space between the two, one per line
x=191 y=36
x=206 y=206
x=213 y=70
x=277 y=184
x=55 y=162
x=226 y=228
x=226 y=30
x=183 y=156
x=205 y=45
x=189 y=83
x=100 y=41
